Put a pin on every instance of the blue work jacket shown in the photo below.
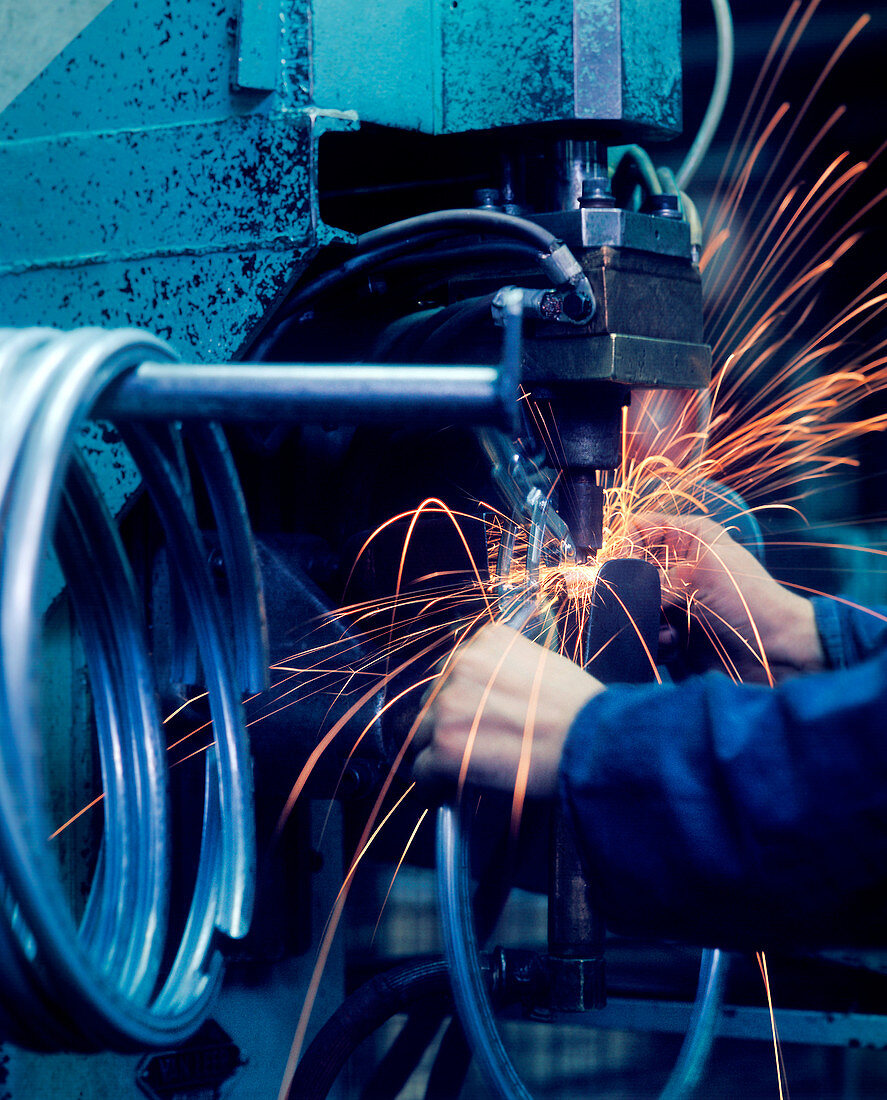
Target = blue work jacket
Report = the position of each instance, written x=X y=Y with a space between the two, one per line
x=738 y=815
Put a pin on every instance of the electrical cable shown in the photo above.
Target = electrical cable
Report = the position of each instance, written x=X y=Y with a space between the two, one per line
x=462 y=220
x=640 y=158
x=554 y=257
x=390 y=242
x=715 y=110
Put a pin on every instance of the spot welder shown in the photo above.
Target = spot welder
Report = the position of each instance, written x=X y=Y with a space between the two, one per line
x=359 y=241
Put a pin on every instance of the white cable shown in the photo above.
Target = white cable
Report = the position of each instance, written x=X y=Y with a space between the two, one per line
x=715 y=109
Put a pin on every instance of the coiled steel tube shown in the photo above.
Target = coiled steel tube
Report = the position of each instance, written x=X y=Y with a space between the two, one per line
x=518 y=604
x=95 y=984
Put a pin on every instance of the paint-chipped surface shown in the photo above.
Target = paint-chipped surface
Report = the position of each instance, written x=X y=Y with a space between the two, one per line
x=168 y=189
x=378 y=58
x=155 y=62
x=504 y=62
x=445 y=66
x=652 y=48
x=448 y=66
x=598 y=59
x=628 y=64
x=197 y=303
x=142 y=188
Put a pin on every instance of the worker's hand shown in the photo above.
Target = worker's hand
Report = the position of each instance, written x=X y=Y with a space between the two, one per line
x=740 y=619
x=502 y=715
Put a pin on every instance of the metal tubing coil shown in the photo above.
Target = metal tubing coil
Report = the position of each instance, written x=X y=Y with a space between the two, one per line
x=518 y=604
x=64 y=986
x=469 y=989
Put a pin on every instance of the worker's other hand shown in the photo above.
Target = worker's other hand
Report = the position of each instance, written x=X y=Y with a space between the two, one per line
x=502 y=715
x=740 y=619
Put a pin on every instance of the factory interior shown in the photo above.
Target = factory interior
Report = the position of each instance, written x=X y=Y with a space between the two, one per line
x=331 y=331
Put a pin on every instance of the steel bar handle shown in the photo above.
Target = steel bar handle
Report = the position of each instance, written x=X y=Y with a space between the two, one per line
x=342 y=392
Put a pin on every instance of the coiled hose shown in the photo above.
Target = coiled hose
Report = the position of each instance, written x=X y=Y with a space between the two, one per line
x=100 y=982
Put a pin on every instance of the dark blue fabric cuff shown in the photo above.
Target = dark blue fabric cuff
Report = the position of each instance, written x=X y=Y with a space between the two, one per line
x=831 y=632
x=849 y=634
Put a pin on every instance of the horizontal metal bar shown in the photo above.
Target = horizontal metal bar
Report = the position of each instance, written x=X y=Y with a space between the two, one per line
x=334 y=392
x=743 y=1022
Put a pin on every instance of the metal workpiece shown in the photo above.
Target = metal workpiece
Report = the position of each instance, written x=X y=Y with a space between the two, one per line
x=438 y=67
x=622 y=633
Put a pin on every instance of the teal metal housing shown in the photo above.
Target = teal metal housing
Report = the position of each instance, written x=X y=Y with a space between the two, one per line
x=161 y=172
x=448 y=66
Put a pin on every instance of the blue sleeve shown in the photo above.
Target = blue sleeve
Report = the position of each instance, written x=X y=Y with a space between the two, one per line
x=849 y=634
x=739 y=815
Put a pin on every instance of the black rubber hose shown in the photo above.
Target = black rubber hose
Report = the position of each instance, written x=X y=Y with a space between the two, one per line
x=399 y=1062
x=401 y=1059
x=489 y=250
x=397 y=990
x=552 y=255
x=420 y=335
x=372 y=260
x=451 y=1064
x=461 y=220
x=451 y=326
x=391 y=241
